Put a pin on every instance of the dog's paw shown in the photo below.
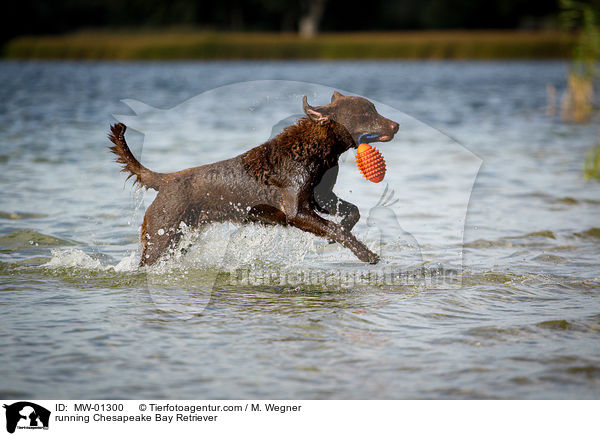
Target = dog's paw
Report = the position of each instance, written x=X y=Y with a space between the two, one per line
x=373 y=258
x=369 y=257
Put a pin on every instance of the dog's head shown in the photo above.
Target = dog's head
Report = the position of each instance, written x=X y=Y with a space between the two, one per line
x=358 y=115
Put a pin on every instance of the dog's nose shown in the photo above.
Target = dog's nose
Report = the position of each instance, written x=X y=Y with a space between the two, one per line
x=395 y=127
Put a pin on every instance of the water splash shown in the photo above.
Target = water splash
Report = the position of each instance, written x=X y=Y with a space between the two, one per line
x=78 y=259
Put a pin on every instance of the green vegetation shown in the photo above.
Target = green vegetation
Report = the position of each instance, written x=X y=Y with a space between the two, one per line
x=582 y=18
x=592 y=163
x=56 y=17
x=578 y=102
x=182 y=44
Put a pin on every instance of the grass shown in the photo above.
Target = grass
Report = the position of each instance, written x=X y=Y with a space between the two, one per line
x=190 y=44
x=592 y=163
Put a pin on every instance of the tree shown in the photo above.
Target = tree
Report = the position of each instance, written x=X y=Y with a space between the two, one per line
x=309 y=22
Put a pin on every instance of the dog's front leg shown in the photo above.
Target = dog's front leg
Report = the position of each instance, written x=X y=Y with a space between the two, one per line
x=309 y=221
x=333 y=205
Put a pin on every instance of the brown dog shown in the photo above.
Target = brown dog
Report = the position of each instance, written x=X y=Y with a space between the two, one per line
x=284 y=181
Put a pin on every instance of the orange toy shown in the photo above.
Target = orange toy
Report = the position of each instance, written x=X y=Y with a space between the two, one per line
x=370 y=163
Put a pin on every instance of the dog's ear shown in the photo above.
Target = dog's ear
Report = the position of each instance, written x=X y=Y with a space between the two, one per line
x=335 y=96
x=317 y=114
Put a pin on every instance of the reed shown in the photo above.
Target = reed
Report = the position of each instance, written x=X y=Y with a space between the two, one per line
x=592 y=163
x=190 y=44
x=578 y=102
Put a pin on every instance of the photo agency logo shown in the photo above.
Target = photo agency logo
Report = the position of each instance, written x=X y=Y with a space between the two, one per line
x=343 y=227
x=25 y=415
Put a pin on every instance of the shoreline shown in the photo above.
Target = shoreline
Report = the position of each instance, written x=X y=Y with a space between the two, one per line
x=202 y=45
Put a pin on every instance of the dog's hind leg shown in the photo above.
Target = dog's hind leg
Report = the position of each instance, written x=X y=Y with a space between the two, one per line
x=161 y=230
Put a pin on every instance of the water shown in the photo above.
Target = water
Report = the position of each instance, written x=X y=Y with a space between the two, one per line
x=516 y=314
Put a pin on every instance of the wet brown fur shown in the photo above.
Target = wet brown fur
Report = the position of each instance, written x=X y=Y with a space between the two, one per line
x=283 y=181
x=143 y=176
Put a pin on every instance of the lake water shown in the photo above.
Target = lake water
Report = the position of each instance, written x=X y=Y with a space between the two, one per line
x=484 y=220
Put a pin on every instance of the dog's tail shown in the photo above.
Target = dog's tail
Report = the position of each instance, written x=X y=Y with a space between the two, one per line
x=143 y=176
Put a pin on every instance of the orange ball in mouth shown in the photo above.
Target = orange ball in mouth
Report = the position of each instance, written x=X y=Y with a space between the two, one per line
x=370 y=163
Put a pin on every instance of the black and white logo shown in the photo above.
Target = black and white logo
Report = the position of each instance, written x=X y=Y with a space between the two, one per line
x=26 y=415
